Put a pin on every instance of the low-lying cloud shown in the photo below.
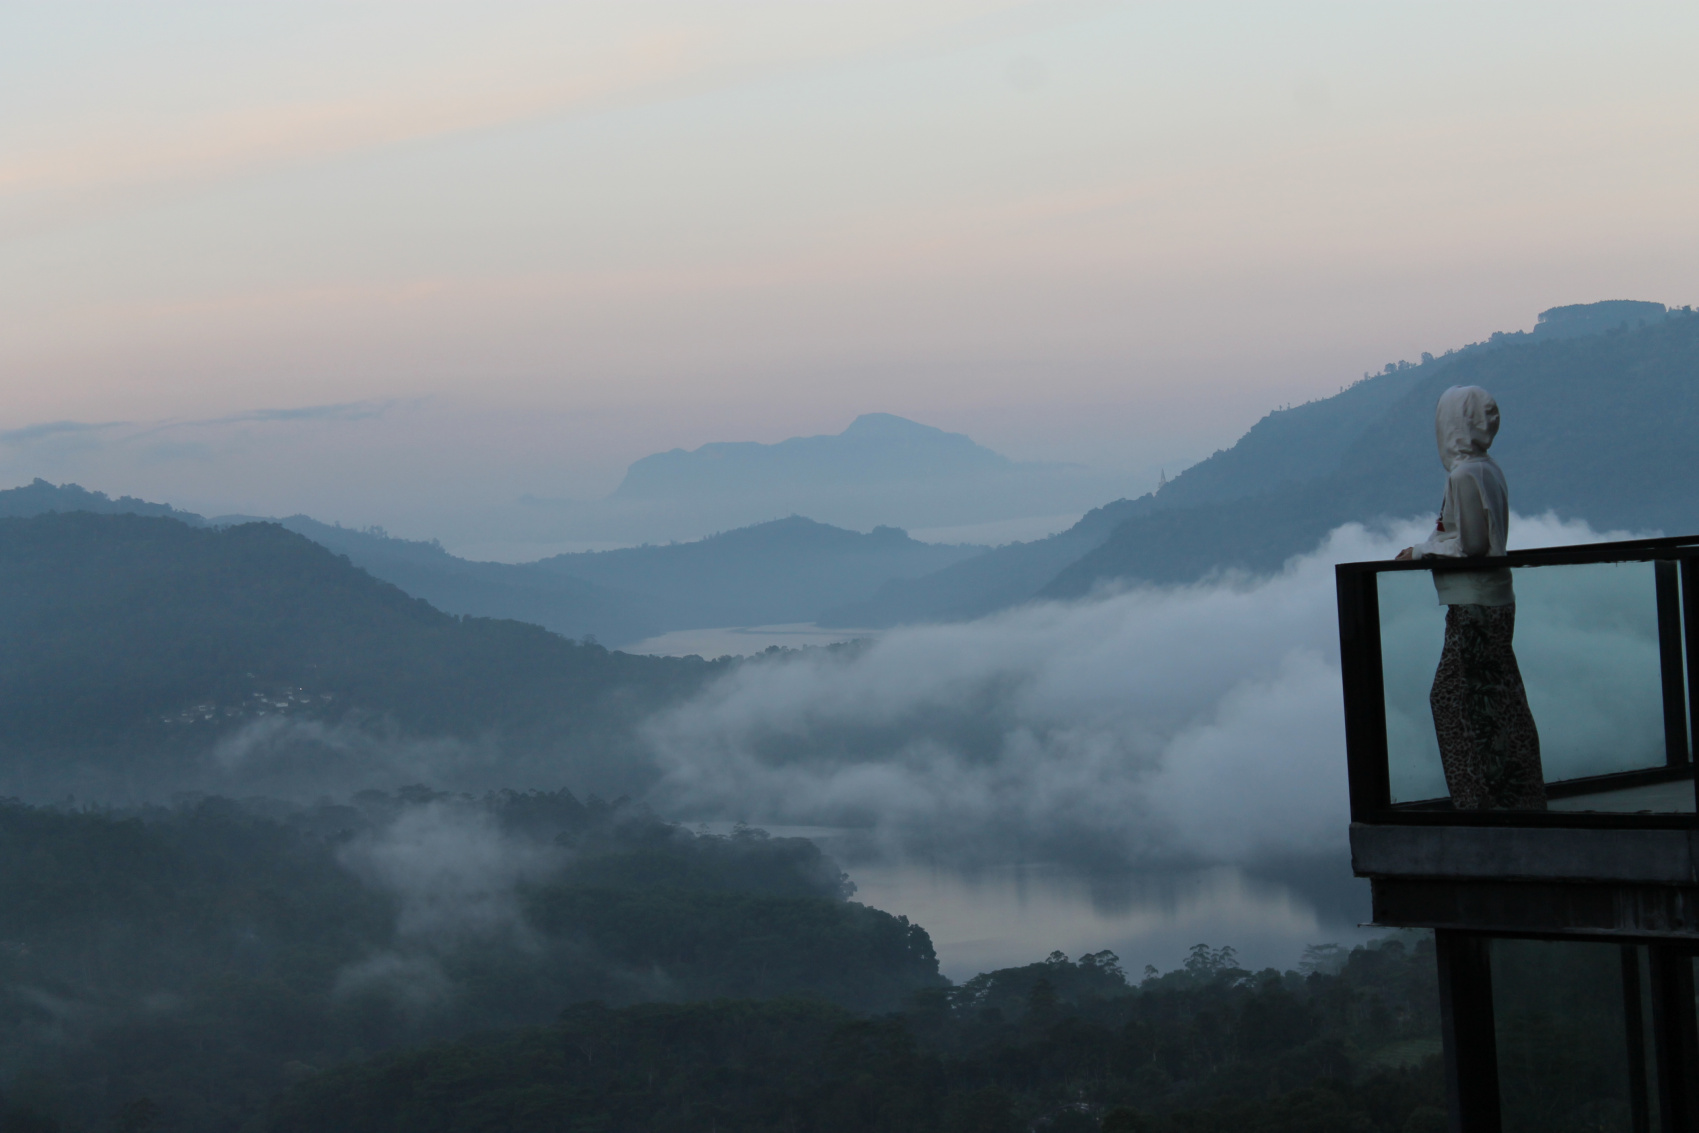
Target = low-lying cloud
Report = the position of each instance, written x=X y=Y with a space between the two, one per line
x=453 y=870
x=1182 y=723
x=455 y=876
x=304 y=757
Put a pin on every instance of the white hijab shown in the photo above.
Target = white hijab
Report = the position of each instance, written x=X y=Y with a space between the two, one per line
x=1465 y=423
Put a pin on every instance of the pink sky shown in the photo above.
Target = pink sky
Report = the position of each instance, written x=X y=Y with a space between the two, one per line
x=538 y=241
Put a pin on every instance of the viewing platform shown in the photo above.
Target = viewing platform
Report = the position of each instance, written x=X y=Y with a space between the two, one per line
x=1602 y=886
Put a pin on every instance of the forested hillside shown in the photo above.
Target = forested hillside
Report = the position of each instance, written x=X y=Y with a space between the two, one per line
x=1065 y=1046
x=555 y=600
x=191 y=962
x=782 y=571
x=534 y=961
x=1600 y=427
x=789 y=570
x=39 y=497
x=141 y=655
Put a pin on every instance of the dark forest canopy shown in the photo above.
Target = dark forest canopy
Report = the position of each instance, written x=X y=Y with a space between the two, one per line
x=205 y=955
x=214 y=965
x=1348 y=1044
x=1061 y=1045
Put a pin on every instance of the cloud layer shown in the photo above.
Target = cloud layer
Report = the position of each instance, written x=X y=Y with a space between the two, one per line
x=1197 y=723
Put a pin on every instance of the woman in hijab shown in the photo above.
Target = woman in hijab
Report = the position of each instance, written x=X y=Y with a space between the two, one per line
x=1487 y=740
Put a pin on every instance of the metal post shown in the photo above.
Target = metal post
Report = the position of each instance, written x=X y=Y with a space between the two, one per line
x=1466 y=1022
x=1677 y=1033
x=1365 y=692
x=1690 y=636
x=1670 y=662
x=1634 y=1022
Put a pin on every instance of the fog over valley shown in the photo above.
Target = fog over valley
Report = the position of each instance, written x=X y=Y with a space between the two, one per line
x=1109 y=746
x=841 y=568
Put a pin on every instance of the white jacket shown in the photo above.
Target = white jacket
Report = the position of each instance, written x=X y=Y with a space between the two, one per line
x=1475 y=518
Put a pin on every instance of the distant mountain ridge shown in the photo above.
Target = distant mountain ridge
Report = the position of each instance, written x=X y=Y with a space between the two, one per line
x=785 y=571
x=788 y=570
x=883 y=470
x=1602 y=427
x=876 y=448
x=1601 y=404
x=141 y=655
x=38 y=497
x=1601 y=410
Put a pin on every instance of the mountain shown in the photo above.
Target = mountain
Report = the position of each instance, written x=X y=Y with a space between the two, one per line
x=39 y=497
x=140 y=656
x=877 y=448
x=1596 y=318
x=1602 y=427
x=882 y=469
x=789 y=570
x=784 y=571
x=1003 y=576
x=555 y=600
x=1600 y=403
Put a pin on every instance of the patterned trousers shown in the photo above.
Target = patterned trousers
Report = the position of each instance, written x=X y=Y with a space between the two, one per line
x=1487 y=740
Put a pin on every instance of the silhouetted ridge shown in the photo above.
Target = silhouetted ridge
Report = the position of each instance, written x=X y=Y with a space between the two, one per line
x=784 y=571
x=136 y=645
x=875 y=449
x=38 y=497
x=1596 y=318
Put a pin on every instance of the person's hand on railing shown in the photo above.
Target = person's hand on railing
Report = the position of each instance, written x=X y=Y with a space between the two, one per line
x=1404 y=555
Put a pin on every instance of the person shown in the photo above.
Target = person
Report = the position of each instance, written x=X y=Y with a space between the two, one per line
x=1488 y=743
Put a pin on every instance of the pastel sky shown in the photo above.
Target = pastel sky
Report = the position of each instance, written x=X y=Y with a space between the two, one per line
x=399 y=262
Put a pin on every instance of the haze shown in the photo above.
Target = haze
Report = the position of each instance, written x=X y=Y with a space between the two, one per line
x=407 y=263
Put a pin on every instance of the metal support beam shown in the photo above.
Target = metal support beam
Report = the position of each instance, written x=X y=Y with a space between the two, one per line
x=1690 y=638
x=1634 y=1024
x=1466 y=1021
x=1677 y=1032
x=1670 y=661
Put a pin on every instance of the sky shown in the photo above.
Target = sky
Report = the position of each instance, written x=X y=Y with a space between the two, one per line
x=408 y=263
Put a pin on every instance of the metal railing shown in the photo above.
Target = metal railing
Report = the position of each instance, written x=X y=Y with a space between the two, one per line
x=1607 y=637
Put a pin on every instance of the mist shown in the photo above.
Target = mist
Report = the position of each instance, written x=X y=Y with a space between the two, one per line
x=1182 y=725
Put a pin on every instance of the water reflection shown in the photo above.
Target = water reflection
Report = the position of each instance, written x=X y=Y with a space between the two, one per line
x=986 y=916
x=1008 y=915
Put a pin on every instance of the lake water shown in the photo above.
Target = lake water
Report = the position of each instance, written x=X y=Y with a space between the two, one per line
x=997 y=916
x=1004 y=916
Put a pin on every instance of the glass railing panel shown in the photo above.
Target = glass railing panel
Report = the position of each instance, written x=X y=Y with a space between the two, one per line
x=1412 y=632
x=1586 y=642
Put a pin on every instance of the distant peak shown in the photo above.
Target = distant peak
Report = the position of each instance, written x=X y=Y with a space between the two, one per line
x=887 y=425
x=1605 y=308
x=1595 y=318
